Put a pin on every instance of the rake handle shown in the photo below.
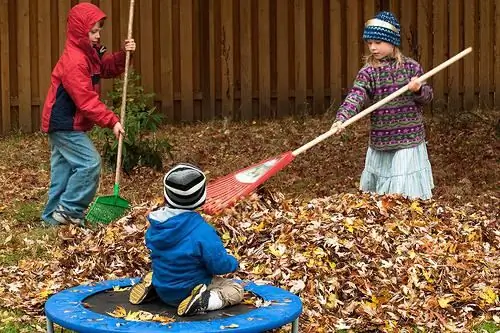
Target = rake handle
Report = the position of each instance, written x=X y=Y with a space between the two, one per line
x=381 y=102
x=124 y=98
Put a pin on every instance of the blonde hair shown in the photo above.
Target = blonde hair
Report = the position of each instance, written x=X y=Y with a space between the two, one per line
x=397 y=54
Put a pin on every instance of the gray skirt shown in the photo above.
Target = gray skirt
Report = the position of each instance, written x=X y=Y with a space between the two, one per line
x=405 y=171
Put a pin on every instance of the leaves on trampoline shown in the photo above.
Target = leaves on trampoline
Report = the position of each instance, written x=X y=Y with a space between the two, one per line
x=260 y=303
x=223 y=327
x=163 y=319
x=118 y=312
x=86 y=305
x=141 y=315
x=120 y=289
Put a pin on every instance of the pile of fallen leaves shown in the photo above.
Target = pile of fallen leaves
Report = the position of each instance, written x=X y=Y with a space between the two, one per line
x=357 y=261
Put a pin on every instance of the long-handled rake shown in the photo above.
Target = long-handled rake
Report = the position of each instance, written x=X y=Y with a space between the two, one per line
x=108 y=208
x=225 y=191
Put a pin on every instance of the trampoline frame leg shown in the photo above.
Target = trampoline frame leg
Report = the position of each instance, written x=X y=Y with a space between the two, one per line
x=50 y=326
x=295 y=326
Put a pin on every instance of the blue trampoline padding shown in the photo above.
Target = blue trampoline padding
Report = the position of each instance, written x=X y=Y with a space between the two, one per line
x=65 y=309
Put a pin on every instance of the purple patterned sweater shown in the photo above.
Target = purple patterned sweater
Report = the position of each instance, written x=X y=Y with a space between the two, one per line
x=399 y=123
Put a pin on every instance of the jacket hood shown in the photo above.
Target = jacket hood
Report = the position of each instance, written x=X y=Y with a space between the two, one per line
x=169 y=226
x=81 y=18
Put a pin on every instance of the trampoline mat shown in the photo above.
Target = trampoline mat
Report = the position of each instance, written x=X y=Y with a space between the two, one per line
x=107 y=301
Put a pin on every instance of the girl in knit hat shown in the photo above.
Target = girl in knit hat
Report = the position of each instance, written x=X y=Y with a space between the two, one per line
x=396 y=161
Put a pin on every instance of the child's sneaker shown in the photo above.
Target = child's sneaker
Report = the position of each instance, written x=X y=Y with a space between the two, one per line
x=62 y=217
x=143 y=291
x=196 y=302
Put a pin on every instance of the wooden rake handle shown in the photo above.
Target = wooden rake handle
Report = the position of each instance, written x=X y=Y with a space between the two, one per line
x=381 y=102
x=124 y=93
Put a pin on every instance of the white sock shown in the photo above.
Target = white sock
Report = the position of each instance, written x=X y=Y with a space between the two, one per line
x=214 y=301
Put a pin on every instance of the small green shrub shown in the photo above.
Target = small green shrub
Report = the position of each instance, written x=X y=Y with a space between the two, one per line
x=141 y=147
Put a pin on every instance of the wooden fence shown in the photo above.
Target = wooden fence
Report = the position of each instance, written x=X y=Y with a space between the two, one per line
x=251 y=59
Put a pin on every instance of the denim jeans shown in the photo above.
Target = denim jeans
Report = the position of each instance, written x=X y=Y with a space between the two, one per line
x=75 y=167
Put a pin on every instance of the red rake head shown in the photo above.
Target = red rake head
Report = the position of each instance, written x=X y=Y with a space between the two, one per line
x=225 y=191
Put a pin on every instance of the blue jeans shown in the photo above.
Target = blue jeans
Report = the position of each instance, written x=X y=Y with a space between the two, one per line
x=75 y=167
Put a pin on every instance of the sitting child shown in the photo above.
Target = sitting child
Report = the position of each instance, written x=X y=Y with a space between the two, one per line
x=186 y=252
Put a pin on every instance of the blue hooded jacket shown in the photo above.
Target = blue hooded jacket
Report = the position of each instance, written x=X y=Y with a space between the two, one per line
x=185 y=251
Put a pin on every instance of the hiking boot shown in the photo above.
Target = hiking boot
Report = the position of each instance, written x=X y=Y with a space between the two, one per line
x=196 y=302
x=143 y=291
x=63 y=217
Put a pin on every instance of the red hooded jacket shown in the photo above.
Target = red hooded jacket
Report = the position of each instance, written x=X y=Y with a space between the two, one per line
x=72 y=103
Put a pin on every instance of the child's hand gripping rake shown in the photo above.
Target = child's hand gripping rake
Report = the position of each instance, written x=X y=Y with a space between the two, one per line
x=226 y=190
x=108 y=208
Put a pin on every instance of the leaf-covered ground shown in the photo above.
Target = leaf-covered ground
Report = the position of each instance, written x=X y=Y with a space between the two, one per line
x=358 y=261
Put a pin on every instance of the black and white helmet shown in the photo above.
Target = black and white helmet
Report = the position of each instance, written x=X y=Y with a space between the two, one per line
x=184 y=187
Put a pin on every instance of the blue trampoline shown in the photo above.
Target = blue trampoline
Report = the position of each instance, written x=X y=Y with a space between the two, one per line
x=83 y=309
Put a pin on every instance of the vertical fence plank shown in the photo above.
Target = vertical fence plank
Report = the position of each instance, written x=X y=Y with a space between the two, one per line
x=123 y=21
x=54 y=32
x=166 y=62
x=186 y=38
x=369 y=10
x=454 y=75
x=146 y=50
x=4 y=66
x=246 y=59
x=136 y=31
x=13 y=63
x=107 y=40
x=485 y=50
x=63 y=7
x=204 y=60
x=283 y=89
x=197 y=105
x=264 y=60
x=424 y=33
x=34 y=66
x=227 y=52
x=318 y=64
x=395 y=8
x=211 y=56
x=497 y=54
x=176 y=61
x=470 y=60
x=440 y=17
x=408 y=28
x=300 y=55
x=336 y=52
x=215 y=55
x=353 y=40
x=156 y=54
x=23 y=67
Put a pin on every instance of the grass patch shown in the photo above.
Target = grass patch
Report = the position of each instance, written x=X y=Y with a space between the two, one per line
x=487 y=327
x=27 y=212
x=29 y=243
x=9 y=324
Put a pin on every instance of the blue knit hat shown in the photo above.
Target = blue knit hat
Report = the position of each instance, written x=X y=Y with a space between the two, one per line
x=384 y=26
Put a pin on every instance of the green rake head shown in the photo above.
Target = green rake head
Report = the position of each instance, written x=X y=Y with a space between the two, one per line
x=107 y=209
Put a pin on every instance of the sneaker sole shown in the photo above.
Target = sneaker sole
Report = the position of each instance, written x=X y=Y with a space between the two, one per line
x=186 y=304
x=141 y=289
x=63 y=218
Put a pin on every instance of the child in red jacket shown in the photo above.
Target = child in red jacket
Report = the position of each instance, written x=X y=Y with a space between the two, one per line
x=71 y=108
